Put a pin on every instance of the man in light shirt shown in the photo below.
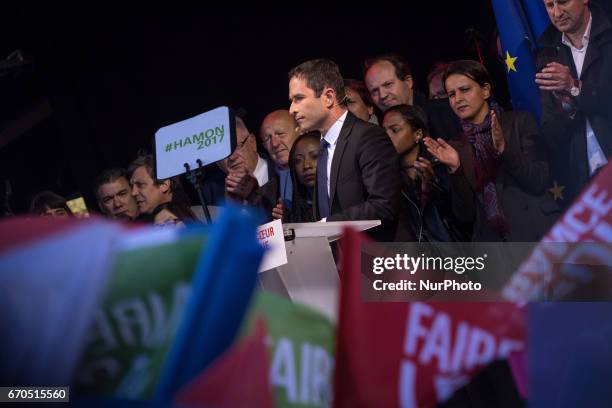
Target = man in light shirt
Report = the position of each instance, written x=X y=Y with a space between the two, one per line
x=358 y=175
x=277 y=133
x=575 y=67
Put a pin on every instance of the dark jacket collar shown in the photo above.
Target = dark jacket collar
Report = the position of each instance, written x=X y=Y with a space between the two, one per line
x=552 y=37
x=349 y=121
x=420 y=100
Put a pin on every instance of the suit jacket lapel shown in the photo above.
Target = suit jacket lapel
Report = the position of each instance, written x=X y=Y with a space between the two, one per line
x=569 y=61
x=592 y=54
x=599 y=25
x=338 y=153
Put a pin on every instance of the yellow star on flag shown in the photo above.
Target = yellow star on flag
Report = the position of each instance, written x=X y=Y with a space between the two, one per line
x=510 y=62
x=557 y=191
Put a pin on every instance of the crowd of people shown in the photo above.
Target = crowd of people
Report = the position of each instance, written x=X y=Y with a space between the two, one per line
x=454 y=166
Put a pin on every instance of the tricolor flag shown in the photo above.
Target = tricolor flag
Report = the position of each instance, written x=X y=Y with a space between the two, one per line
x=53 y=275
x=117 y=313
x=144 y=302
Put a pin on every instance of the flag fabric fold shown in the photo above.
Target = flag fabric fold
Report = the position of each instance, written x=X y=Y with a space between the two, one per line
x=238 y=378
x=519 y=23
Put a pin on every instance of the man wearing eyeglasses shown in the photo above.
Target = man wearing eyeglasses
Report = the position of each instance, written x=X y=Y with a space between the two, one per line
x=246 y=170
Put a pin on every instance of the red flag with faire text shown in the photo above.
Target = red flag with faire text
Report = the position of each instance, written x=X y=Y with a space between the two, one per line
x=413 y=354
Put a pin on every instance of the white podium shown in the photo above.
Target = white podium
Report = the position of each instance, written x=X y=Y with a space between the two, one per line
x=310 y=276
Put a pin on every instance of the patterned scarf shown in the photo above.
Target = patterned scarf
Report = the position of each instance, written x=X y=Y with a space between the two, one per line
x=486 y=165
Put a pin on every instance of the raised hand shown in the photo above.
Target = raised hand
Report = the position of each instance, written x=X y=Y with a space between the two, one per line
x=240 y=184
x=236 y=161
x=497 y=135
x=443 y=152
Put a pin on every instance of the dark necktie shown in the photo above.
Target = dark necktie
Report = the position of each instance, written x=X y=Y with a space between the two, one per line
x=322 y=197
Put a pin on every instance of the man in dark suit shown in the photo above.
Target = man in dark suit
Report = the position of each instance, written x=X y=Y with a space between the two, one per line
x=575 y=62
x=389 y=80
x=358 y=174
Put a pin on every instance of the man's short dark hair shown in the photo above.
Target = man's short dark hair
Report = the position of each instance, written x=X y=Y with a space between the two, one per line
x=108 y=176
x=48 y=200
x=360 y=88
x=413 y=115
x=140 y=161
x=319 y=74
x=148 y=163
x=400 y=64
x=471 y=69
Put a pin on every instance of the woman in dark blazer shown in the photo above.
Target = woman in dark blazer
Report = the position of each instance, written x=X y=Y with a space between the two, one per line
x=499 y=175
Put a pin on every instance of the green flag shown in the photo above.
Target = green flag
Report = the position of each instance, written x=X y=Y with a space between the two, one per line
x=301 y=344
x=132 y=331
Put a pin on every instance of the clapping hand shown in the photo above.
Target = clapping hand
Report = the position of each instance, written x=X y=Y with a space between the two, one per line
x=444 y=152
x=497 y=135
x=555 y=77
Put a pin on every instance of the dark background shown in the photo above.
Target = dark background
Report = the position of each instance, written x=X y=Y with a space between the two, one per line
x=98 y=81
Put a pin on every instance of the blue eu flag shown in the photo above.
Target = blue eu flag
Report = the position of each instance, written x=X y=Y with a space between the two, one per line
x=220 y=294
x=536 y=16
x=520 y=22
